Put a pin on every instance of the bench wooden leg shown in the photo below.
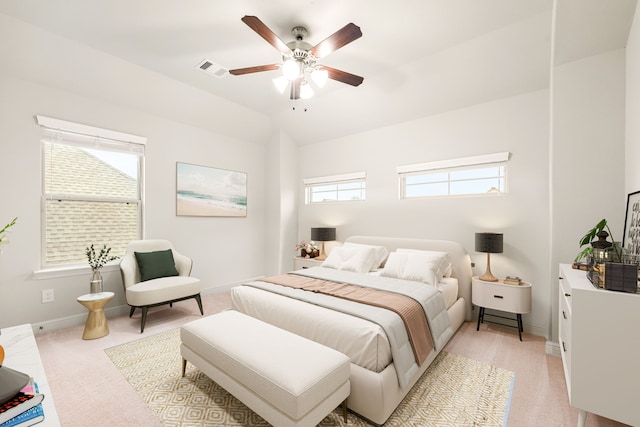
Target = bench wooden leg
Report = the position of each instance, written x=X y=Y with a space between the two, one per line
x=184 y=366
x=344 y=410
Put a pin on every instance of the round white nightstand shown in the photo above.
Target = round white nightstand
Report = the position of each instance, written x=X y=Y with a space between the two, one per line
x=499 y=296
x=96 y=325
x=299 y=263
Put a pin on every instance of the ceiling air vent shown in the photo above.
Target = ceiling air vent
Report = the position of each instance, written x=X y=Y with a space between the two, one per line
x=212 y=68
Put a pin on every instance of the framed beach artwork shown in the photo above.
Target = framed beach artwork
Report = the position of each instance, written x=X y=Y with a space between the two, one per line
x=631 y=236
x=208 y=191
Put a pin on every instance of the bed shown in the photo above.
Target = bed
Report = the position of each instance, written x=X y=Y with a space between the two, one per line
x=381 y=372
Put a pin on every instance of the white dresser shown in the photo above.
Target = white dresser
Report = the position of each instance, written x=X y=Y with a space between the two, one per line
x=599 y=334
x=22 y=355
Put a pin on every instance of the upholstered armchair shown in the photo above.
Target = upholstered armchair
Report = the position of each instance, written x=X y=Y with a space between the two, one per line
x=154 y=274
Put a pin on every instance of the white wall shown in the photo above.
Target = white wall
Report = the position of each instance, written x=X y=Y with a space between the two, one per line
x=518 y=124
x=587 y=154
x=632 y=146
x=225 y=250
x=281 y=204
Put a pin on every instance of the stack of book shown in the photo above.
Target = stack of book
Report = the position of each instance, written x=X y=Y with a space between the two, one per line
x=512 y=280
x=24 y=409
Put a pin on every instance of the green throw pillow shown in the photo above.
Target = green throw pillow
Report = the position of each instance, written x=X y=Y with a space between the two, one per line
x=156 y=264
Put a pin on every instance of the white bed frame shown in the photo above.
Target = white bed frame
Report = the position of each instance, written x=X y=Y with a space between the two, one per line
x=375 y=395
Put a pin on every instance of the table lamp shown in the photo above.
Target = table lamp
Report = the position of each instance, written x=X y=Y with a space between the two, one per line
x=491 y=243
x=323 y=234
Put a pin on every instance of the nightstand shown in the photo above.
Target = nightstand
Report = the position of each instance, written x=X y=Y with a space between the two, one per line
x=499 y=296
x=299 y=263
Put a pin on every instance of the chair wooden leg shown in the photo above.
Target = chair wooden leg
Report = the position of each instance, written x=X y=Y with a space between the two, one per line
x=144 y=318
x=184 y=366
x=199 y=301
x=131 y=311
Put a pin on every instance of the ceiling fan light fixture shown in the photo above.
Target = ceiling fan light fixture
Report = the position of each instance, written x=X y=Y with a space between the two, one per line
x=291 y=69
x=319 y=77
x=306 y=91
x=281 y=83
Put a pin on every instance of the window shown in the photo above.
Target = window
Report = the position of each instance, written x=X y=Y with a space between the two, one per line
x=457 y=177
x=91 y=190
x=336 y=188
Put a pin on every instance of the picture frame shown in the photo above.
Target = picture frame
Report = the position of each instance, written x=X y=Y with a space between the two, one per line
x=631 y=236
x=210 y=192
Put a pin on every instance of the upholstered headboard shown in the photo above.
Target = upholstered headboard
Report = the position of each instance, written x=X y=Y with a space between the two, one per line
x=460 y=259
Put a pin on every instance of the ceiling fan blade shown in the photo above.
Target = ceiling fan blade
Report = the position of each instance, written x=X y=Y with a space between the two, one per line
x=343 y=36
x=256 y=69
x=343 y=76
x=295 y=89
x=263 y=31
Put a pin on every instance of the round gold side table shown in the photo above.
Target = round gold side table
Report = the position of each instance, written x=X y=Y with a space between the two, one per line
x=96 y=325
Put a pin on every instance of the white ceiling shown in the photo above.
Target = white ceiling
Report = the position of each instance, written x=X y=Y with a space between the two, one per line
x=417 y=57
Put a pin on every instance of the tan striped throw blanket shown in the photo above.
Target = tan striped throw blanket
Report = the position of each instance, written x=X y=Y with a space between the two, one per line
x=409 y=310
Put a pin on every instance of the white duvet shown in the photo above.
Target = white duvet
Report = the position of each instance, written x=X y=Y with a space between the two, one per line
x=365 y=342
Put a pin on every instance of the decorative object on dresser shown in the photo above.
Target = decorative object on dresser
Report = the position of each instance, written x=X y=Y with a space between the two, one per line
x=323 y=234
x=600 y=350
x=502 y=297
x=631 y=236
x=601 y=249
x=607 y=266
x=491 y=243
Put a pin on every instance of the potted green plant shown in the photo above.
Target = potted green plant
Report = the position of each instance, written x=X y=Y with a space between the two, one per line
x=96 y=262
x=591 y=235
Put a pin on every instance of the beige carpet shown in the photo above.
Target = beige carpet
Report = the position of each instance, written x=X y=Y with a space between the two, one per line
x=455 y=391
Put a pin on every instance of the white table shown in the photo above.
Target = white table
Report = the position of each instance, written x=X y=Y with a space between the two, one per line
x=500 y=296
x=96 y=325
x=21 y=354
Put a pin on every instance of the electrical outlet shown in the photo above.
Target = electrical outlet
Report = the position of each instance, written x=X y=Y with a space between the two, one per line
x=47 y=296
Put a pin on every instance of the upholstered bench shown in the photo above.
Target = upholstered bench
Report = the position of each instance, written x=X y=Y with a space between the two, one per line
x=286 y=379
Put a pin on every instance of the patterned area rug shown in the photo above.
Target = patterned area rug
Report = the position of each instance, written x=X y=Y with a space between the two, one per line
x=455 y=391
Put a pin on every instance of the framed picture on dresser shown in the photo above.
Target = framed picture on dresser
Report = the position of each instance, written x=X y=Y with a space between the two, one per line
x=631 y=237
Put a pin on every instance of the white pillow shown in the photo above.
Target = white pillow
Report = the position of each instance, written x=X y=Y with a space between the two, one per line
x=381 y=253
x=359 y=260
x=412 y=266
x=442 y=258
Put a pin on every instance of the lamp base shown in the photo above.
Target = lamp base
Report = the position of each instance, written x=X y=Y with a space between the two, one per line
x=323 y=254
x=488 y=277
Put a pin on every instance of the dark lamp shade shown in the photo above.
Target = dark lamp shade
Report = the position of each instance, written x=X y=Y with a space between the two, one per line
x=489 y=242
x=323 y=234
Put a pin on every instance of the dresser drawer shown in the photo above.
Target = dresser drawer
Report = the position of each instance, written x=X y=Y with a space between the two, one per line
x=564 y=330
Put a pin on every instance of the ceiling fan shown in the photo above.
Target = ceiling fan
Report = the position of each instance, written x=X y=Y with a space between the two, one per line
x=299 y=58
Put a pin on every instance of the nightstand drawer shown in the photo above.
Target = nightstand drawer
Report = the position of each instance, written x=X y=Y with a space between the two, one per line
x=498 y=296
x=299 y=263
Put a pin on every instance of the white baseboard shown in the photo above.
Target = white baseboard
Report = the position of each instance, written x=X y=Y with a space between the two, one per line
x=75 y=320
x=80 y=319
x=553 y=348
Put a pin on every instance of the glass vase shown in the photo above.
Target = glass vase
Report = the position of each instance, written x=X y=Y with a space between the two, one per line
x=95 y=286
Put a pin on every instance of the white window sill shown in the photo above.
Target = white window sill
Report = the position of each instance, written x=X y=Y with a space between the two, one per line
x=67 y=271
